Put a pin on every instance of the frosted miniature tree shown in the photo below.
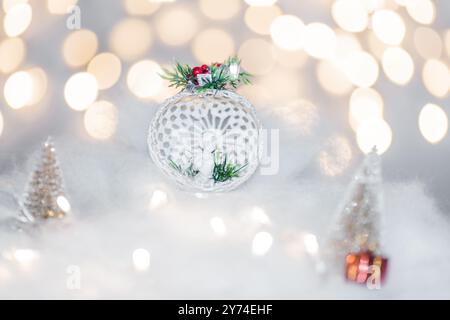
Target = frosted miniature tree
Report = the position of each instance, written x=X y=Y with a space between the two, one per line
x=358 y=225
x=45 y=197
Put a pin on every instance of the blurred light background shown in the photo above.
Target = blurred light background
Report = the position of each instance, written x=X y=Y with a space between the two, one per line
x=374 y=72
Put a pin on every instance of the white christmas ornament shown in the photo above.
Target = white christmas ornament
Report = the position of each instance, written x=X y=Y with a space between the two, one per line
x=207 y=140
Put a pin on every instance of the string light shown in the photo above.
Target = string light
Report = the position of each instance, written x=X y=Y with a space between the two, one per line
x=287 y=32
x=259 y=19
x=63 y=203
x=17 y=19
x=81 y=90
x=262 y=242
x=100 y=120
x=12 y=54
x=79 y=47
x=433 y=123
x=131 y=38
x=106 y=67
x=141 y=259
x=144 y=79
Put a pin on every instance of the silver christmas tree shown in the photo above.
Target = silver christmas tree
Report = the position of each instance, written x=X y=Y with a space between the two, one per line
x=45 y=197
x=358 y=226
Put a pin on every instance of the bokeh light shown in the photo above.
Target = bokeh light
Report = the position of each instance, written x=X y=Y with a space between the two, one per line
x=345 y=44
x=260 y=2
x=376 y=47
x=428 y=43
x=332 y=78
x=433 y=123
x=60 y=6
x=259 y=216
x=158 y=199
x=63 y=203
x=220 y=45
x=365 y=104
x=374 y=133
x=422 y=11
x=259 y=19
x=361 y=68
x=388 y=26
x=311 y=244
x=79 y=47
x=220 y=10
x=101 y=119
x=12 y=54
x=319 y=40
x=18 y=89
x=218 y=226
x=447 y=42
x=350 y=15
x=141 y=259
x=144 y=79
x=398 y=65
x=81 y=90
x=106 y=67
x=39 y=84
x=141 y=7
x=1 y=124
x=176 y=26
x=290 y=59
x=287 y=32
x=17 y=19
x=131 y=38
x=257 y=56
x=436 y=77
x=280 y=86
x=8 y=4
x=262 y=242
x=336 y=156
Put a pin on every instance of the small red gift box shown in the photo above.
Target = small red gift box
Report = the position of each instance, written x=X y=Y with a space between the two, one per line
x=366 y=268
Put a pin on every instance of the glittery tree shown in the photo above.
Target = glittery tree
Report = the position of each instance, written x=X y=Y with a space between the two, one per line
x=45 y=196
x=356 y=236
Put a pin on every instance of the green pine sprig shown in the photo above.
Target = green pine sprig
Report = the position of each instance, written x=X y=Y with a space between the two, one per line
x=181 y=76
x=224 y=171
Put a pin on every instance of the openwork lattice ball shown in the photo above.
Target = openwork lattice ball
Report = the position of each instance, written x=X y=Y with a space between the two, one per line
x=206 y=142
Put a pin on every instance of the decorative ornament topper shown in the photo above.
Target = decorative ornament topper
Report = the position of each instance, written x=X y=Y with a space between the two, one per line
x=217 y=76
x=206 y=137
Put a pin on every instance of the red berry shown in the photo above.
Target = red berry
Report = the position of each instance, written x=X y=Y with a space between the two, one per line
x=196 y=71
x=217 y=65
x=205 y=68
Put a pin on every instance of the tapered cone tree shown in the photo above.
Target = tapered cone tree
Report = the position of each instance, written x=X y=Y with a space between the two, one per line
x=45 y=197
